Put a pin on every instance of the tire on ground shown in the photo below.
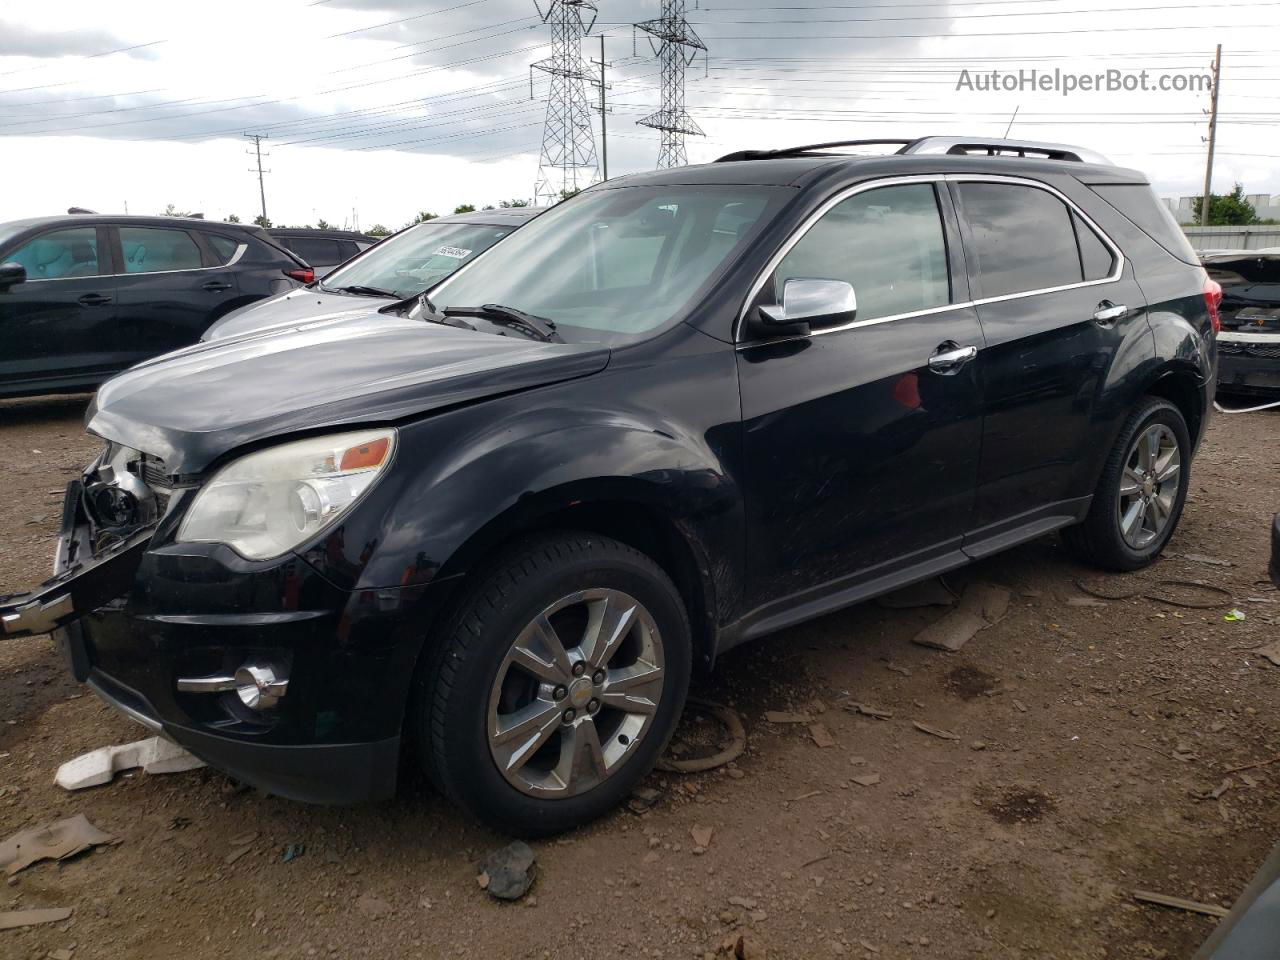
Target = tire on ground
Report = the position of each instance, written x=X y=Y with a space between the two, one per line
x=448 y=716
x=1098 y=540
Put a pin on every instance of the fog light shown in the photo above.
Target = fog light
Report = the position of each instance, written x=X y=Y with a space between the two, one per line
x=258 y=687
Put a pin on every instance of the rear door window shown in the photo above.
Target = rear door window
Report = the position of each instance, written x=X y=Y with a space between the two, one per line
x=158 y=250
x=59 y=254
x=1023 y=238
x=888 y=243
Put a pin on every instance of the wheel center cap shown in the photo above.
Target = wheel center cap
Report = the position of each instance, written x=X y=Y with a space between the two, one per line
x=580 y=692
x=1148 y=486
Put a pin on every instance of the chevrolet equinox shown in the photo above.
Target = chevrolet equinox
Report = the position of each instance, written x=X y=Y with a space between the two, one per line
x=495 y=526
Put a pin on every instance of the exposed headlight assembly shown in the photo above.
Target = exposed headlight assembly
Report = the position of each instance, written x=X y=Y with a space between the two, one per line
x=266 y=503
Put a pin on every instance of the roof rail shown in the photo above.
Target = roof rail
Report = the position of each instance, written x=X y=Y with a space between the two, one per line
x=952 y=146
x=995 y=147
x=811 y=148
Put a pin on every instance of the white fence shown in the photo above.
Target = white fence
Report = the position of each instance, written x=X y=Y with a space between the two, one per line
x=1233 y=238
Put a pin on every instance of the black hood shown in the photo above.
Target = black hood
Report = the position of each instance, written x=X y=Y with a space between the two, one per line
x=192 y=406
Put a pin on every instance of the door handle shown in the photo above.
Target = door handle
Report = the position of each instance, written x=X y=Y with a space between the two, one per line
x=1108 y=313
x=93 y=300
x=950 y=357
x=217 y=286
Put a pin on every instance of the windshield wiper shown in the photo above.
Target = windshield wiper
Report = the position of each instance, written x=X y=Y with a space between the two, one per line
x=539 y=328
x=363 y=291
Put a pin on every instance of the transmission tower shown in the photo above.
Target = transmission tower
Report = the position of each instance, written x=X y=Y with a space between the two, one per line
x=676 y=44
x=568 y=159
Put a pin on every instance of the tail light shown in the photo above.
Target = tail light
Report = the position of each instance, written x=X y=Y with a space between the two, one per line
x=308 y=275
x=1213 y=300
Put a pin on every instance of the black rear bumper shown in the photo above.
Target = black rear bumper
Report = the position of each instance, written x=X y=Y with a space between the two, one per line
x=1242 y=373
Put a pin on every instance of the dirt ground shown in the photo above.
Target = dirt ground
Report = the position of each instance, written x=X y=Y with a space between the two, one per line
x=1091 y=739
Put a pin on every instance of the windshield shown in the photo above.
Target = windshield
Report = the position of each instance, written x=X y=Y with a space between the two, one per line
x=614 y=263
x=418 y=258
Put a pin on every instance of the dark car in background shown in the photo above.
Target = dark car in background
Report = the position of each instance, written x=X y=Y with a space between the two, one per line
x=84 y=297
x=402 y=265
x=1249 y=344
x=322 y=249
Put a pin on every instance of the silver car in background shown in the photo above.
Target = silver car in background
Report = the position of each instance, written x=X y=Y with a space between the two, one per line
x=401 y=266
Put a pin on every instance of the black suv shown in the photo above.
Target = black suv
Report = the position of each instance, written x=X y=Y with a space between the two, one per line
x=322 y=249
x=674 y=413
x=83 y=297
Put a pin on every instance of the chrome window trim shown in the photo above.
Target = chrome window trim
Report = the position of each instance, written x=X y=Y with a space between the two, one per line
x=235 y=258
x=1116 y=273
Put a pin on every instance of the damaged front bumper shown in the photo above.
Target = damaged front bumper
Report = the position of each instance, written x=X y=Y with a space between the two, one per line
x=134 y=613
x=82 y=581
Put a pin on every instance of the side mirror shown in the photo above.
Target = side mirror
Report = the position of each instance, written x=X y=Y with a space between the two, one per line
x=12 y=273
x=812 y=301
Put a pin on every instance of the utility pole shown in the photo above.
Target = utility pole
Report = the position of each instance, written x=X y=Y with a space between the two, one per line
x=1213 y=138
x=604 y=129
x=257 y=139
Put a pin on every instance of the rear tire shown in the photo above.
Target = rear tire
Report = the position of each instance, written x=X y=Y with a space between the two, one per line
x=1140 y=495
x=556 y=684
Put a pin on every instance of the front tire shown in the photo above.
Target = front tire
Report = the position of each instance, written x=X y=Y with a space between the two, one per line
x=557 y=684
x=1141 y=492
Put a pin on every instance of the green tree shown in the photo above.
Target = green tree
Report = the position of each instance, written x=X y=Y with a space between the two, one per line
x=508 y=204
x=423 y=216
x=323 y=224
x=1228 y=210
x=465 y=208
x=172 y=211
x=264 y=222
x=566 y=194
x=378 y=230
x=233 y=219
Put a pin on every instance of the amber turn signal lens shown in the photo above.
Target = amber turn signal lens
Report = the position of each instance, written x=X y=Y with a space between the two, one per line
x=365 y=455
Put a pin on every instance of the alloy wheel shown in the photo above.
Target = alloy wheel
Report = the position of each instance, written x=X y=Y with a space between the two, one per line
x=575 y=693
x=1149 y=486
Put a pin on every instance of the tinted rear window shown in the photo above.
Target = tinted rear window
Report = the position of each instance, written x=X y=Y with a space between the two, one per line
x=1023 y=239
x=1139 y=203
x=315 y=250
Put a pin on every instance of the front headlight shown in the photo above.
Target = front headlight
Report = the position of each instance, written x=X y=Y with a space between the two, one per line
x=267 y=503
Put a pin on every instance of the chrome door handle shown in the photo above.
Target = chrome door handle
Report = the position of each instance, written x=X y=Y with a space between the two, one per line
x=1108 y=312
x=951 y=357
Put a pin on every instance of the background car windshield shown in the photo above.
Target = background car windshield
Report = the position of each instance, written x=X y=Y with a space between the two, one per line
x=418 y=258
x=617 y=262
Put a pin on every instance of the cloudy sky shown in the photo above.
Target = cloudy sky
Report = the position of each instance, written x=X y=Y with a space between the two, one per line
x=379 y=108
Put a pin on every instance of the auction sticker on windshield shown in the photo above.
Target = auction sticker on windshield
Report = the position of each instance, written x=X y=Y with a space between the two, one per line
x=457 y=253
